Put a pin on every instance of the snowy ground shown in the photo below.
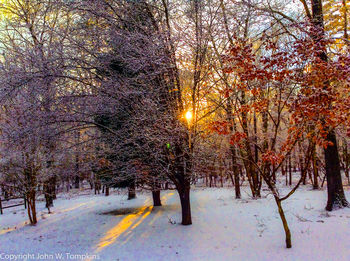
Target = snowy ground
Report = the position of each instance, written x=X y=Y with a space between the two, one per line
x=223 y=228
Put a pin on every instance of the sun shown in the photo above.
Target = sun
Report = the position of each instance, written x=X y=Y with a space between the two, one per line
x=189 y=115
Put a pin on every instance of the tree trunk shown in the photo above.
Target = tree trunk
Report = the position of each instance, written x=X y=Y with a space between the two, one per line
x=185 y=206
x=235 y=171
x=49 y=187
x=315 y=169
x=30 y=185
x=107 y=191
x=231 y=178
x=48 y=191
x=97 y=185
x=290 y=170
x=252 y=174
x=31 y=208
x=286 y=177
x=156 y=198
x=131 y=191
x=221 y=179
x=237 y=185
x=346 y=160
x=53 y=184
x=284 y=222
x=76 y=181
x=336 y=196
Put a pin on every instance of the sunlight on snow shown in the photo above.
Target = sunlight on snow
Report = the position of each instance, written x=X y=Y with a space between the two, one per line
x=112 y=235
x=126 y=225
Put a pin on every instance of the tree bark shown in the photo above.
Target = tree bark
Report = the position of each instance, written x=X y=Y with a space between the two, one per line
x=131 y=191
x=290 y=170
x=156 y=198
x=237 y=184
x=76 y=182
x=235 y=171
x=31 y=207
x=30 y=186
x=48 y=195
x=233 y=150
x=314 y=169
x=336 y=196
x=185 y=206
x=284 y=222
x=50 y=191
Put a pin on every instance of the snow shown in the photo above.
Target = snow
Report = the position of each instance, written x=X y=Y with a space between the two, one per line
x=114 y=228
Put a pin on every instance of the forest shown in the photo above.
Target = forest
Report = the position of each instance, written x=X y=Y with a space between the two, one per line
x=146 y=97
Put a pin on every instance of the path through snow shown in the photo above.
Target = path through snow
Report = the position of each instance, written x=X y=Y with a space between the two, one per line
x=223 y=228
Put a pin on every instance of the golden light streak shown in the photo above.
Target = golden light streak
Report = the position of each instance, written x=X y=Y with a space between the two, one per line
x=113 y=234
x=126 y=225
